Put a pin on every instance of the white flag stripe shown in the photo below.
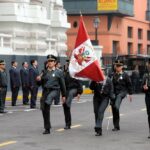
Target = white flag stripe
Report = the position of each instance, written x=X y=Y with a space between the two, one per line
x=74 y=66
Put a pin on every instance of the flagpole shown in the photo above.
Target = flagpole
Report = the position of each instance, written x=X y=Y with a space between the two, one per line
x=80 y=13
x=109 y=110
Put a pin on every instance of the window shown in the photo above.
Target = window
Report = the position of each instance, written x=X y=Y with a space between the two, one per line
x=140 y=32
x=148 y=49
x=139 y=48
x=130 y=45
x=148 y=35
x=116 y=48
x=75 y=24
x=130 y=32
x=130 y=1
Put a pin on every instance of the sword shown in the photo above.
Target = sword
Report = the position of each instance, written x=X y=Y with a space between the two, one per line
x=109 y=110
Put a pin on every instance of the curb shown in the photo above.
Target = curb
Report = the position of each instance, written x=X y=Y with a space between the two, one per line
x=85 y=91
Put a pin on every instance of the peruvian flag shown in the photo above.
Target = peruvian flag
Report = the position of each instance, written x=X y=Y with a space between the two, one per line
x=83 y=62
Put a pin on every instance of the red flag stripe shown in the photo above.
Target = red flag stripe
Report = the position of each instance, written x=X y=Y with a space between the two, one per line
x=82 y=35
x=92 y=72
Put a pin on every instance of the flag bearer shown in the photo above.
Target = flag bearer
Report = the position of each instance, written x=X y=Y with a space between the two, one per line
x=103 y=91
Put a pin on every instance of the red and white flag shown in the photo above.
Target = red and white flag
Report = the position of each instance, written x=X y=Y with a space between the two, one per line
x=83 y=62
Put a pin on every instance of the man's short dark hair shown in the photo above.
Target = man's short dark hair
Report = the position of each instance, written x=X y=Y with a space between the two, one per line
x=12 y=62
x=32 y=61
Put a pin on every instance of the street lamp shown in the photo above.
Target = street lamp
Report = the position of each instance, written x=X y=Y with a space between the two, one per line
x=96 y=22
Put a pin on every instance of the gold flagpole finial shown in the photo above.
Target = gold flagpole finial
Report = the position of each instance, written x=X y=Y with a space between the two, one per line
x=80 y=13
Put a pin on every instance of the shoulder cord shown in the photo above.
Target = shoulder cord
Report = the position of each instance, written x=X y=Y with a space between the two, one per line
x=104 y=83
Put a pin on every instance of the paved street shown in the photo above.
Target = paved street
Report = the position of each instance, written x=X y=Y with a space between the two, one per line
x=21 y=128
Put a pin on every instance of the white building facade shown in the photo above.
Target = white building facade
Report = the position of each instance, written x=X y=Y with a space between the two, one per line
x=33 y=27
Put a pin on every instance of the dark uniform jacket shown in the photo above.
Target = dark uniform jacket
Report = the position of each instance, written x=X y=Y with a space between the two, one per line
x=53 y=80
x=122 y=83
x=3 y=79
x=72 y=83
x=14 y=77
x=104 y=88
x=24 y=73
x=33 y=73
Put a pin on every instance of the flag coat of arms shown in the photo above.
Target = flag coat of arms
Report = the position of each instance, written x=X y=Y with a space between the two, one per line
x=83 y=61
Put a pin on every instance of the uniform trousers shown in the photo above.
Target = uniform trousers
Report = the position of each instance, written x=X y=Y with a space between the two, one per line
x=15 y=91
x=48 y=97
x=25 y=91
x=57 y=99
x=34 y=92
x=67 y=105
x=100 y=104
x=147 y=102
x=3 y=92
x=115 y=108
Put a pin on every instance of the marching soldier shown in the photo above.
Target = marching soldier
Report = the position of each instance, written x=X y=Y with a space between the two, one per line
x=103 y=91
x=33 y=73
x=146 y=87
x=52 y=81
x=14 y=81
x=24 y=73
x=3 y=86
x=74 y=89
x=122 y=85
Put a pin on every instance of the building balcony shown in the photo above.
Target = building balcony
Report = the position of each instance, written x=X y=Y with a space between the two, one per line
x=89 y=7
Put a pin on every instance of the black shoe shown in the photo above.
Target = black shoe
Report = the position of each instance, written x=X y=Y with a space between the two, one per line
x=46 y=132
x=98 y=134
x=149 y=136
x=2 y=112
x=32 y=107
x=98 y=131
x=56 y=103
x=116 y=129
x=13 y=104
x=67 y=127
x=26 y=103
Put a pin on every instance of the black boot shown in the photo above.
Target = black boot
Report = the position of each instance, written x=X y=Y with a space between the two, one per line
x=67 y=114
x=116 y=129
x=67 y=127
x=98 y=131
x=47 y=131
x=149 y=135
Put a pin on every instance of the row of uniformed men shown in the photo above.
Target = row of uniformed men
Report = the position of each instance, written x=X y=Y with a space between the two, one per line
x=25 y=77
